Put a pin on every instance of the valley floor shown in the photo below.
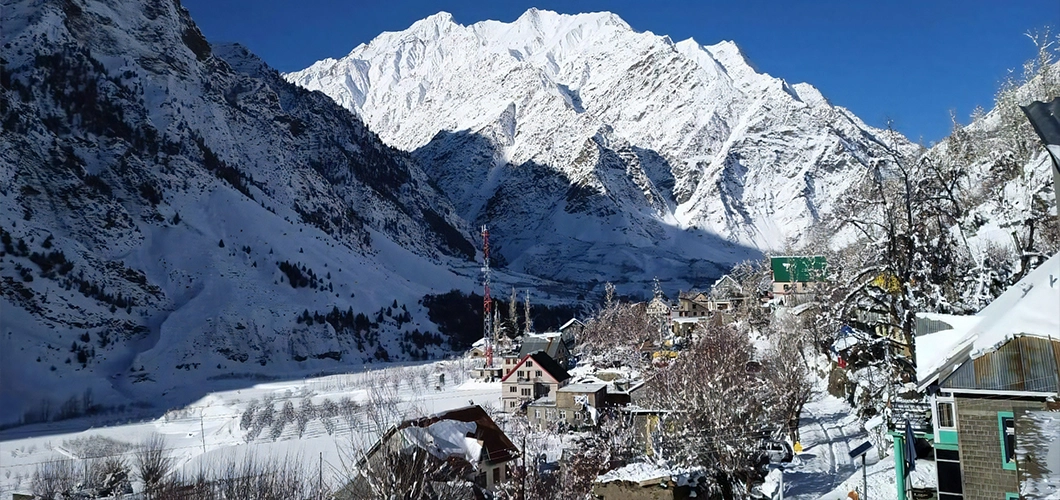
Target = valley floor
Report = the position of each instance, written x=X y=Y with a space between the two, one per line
x=209 y=431
x=214 y=429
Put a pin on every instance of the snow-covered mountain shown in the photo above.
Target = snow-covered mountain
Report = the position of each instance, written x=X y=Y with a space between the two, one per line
x=598 y=152
x=171 y=207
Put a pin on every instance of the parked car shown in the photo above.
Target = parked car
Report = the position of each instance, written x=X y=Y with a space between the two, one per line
x=777 y=451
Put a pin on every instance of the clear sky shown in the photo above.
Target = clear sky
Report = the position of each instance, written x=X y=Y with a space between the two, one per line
x=910 y=61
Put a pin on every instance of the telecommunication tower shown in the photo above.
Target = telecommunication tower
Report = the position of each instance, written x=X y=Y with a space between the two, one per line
x=487 y=302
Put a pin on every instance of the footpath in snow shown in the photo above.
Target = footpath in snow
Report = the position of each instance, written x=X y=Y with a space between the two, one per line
x=824 y=470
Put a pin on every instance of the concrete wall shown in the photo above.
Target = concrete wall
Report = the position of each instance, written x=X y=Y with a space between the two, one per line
x=979 y=440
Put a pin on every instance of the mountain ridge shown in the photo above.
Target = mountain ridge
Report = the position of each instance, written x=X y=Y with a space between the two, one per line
x=174 y=212
x=743 y=158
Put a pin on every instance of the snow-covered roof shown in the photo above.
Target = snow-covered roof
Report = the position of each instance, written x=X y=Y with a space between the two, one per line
x=932 y=350
x=446 y=438
x=648 y=474
x=640 y=473
x=583 y=387
x=696 y=319
x=571 y=322
x=446 y=434
x=1030 y=307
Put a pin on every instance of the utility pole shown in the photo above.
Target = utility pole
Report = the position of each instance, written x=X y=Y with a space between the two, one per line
x=864 y=480
x=202 y=432
x=525 y=471
x=320 y=478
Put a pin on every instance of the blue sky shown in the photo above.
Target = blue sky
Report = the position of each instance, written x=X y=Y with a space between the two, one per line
x=905 y=60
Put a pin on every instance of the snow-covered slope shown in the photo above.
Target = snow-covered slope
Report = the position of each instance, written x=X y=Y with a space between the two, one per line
x=170 y=209
x=595 y=151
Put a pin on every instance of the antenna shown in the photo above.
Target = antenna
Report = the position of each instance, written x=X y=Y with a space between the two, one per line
x=487 y=302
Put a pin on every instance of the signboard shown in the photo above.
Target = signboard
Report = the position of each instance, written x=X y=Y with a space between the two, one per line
x=862 y=449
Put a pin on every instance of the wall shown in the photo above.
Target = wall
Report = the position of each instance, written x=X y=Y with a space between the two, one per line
x=979 y=440
x=622 y=491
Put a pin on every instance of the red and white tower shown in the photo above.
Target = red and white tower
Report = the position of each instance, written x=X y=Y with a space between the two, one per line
x=487 y=302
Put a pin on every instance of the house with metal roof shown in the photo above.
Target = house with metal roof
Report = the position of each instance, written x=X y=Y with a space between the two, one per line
x=983 y=374
x=557 y=345
x=794 y=274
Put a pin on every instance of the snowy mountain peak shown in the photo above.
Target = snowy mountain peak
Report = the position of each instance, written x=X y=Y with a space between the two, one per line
x=701 y=154
x=433 y=26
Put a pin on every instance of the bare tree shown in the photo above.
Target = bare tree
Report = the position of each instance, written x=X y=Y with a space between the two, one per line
x=717 y=407
x=54 y=479
x=153 y=463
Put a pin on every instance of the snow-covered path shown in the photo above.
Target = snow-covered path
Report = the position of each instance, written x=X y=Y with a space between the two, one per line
x=828 y=431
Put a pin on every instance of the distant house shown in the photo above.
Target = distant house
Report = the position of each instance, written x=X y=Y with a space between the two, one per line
x=576 y=405
x=795 y=274
x=460 y=444
x=646 y=481
x=572 y=328
x=725 y=294
x=984 y=374
x=553 y=343
x=693 y=304
x=536 y=375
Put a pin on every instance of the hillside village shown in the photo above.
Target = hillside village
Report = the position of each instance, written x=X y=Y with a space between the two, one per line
x=546 y=384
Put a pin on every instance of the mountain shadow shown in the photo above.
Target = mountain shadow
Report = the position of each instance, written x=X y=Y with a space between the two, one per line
x=613 y=223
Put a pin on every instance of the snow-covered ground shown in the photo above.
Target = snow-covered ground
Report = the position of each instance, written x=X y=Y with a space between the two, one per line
x=209 y=430
x=828 y=431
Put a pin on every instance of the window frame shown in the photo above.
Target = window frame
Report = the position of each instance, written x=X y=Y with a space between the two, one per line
x=939 y=401
x=1001 y=416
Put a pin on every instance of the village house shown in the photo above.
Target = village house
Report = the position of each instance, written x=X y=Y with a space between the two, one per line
x=796 y=274
x=693 y=304
x=572 y=328
x=556 y=344
x=575 y=405
x=725 y=294
x=984 y=374
x=535 y=376
x=460 y=444
x=646 y=481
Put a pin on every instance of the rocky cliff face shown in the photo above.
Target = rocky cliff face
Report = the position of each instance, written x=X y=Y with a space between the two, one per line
x=598 y=152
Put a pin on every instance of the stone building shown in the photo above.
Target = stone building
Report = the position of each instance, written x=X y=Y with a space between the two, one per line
x=983 y=374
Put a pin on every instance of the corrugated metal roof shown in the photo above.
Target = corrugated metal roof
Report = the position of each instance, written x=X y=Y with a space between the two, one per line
x=1024 y=363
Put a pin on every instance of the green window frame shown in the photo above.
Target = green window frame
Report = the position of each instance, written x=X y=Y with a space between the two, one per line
x=1005 y=462
x=1012 y=496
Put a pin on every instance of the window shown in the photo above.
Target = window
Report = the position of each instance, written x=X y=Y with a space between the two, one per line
x=945 y=414
x=563 y=414
x=496 y=475
x=537 y=414
x=511 y=389
x=949 y=474
x=526 y=392
x=539 y=373
x=1006 y=426
x=529 y=364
